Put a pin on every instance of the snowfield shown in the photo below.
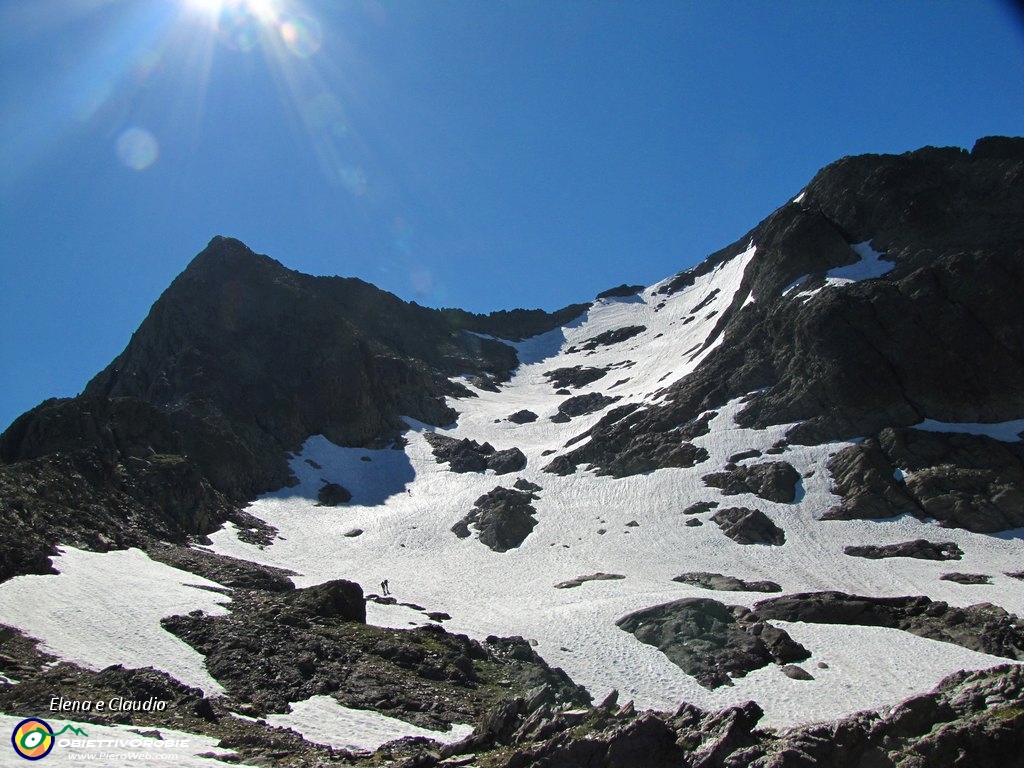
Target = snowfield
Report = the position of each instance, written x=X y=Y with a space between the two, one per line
x=405 y=504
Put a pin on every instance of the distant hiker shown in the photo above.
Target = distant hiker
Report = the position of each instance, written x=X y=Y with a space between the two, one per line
x=384 y=587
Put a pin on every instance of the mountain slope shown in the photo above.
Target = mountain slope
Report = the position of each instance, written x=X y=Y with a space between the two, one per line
x=830 y=405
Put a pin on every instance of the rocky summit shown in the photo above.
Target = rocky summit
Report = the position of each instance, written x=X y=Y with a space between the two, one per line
x=327 y=526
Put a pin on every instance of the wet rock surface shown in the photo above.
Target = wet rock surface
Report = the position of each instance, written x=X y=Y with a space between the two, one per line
x=712 y=641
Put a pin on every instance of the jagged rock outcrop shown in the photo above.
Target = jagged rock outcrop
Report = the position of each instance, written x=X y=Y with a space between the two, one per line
x=938 y=336
x=607 y=338
x=749 y=526
x=712 y=641
x=618 y=448
x=278 y=647
x=772 y=481
x=584 y=404
x=470 y=456
x=577 y=376
x=964 y=481
x=503 y=518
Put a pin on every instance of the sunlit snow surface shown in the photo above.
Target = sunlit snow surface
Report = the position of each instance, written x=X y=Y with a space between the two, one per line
x=104 y=609
x=407 y=538
x=323 y=720
x=870 y=266
x=405 y=503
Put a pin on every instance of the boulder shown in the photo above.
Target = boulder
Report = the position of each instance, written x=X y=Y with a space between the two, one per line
x=711 y=641
x=749 y=526
x=503 y=518
x=722 y=583
x=332 y=495
x=772 y=481
x=522 y=417
x=919 y=548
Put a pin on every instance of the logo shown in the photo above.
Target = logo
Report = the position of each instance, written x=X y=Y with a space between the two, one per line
x=33 y=738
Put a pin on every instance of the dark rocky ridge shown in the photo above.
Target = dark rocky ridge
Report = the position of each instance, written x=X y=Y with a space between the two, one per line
x=940 y=336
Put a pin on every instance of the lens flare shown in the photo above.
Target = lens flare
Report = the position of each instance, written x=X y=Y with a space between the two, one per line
x=137 y=148
x=238 y=28
x=302 y=35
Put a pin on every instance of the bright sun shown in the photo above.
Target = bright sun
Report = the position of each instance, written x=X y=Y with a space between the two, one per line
x=265 y=10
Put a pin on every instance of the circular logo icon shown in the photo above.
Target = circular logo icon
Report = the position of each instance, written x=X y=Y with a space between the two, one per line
x=33 y=738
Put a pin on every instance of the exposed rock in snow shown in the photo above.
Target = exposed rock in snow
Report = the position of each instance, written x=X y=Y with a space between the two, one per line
x=502 y=517
x=773 y=481
x=749 y=526
x=919 y=548
x=722 y=583
x=711 y=641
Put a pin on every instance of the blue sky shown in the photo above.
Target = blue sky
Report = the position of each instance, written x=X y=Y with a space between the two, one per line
x=485 y=155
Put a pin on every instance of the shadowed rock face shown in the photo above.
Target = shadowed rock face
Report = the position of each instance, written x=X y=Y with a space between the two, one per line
x=964 y=481
x=248 y=359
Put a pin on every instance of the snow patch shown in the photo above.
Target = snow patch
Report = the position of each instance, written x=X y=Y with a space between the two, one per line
x=323 y=720
x=105 y=608
x=869 y=267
